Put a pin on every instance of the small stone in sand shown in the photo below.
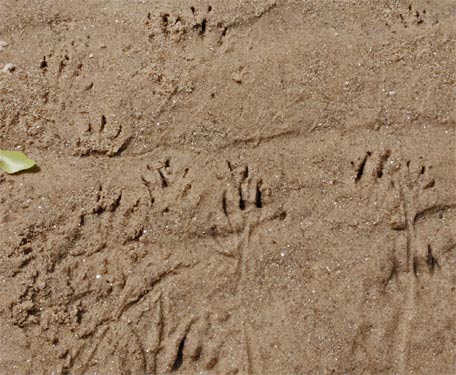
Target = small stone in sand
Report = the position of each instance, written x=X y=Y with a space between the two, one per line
x=9 y=68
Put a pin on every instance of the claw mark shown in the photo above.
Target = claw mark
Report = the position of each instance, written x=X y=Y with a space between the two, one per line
x=258 y=194
x=102 y=123
x=381 y=165
x=164 y=22
x=180 y=355
x=88 y=87
x=117 y=133
x=164 y=181
x=362 y=165
x=430 y=260
x=149 y=190
x=62 y=65
x=224 y=205
x=429 y=185
x=116 y=202
x=245 y=174
x=43 y=64
x=415 y=266
x=201 y=26
x=241 y=199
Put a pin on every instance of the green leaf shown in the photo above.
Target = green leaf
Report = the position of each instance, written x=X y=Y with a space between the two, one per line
x=14 y=161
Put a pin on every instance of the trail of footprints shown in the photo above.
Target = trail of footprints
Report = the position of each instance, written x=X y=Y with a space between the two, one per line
x=154 y=344
x=414 y=259
x=119 y=216
x=408 y=182
x=200 y=21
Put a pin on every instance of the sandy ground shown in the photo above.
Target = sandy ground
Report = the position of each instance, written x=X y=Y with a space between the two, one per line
x=228 y=187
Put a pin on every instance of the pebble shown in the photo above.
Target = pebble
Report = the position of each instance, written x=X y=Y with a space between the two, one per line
x=3 y=45
x=9 y=68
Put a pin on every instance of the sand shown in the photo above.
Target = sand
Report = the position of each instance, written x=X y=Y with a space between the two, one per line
x=243 y=187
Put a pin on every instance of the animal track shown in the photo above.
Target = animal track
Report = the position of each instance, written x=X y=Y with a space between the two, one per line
x=245 y=204
x=194 y=21
x=178 y=26
x=244 y=196
x=362 y=165
x=407 y=184
x=145 y=327
x=102 y=139
x=167 y=184
x=93 y=131
x=428 y=262
x=414 y=260
x=412 y=17
x=155 y=346
x=403 y=192
x=371 y=166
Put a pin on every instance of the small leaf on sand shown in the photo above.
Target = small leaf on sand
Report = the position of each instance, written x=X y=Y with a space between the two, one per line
x=14 y=161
